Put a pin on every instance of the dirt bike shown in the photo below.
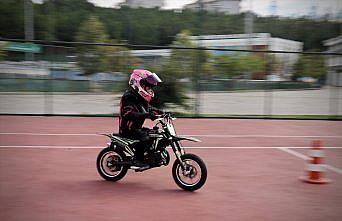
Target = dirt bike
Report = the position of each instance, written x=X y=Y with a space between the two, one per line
x=188 y=171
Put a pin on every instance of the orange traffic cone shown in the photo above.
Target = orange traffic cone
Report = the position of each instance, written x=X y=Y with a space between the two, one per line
x=315 y=168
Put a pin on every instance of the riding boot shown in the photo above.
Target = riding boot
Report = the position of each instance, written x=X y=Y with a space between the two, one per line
x=138 y=159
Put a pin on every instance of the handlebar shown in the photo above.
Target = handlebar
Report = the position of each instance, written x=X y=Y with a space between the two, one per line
x=165 y=115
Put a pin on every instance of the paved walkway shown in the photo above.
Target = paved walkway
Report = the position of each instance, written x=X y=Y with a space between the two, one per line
x=306 y=102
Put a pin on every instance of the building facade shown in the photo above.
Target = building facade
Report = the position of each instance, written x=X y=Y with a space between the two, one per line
x=334 y=62
x=143 y=3
x=155 y=57
x=225 y=6
x=256 y=41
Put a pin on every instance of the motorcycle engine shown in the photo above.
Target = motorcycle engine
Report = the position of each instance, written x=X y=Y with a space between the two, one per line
x=157 y=158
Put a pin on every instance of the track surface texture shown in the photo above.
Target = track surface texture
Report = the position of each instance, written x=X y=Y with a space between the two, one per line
x=48 y=172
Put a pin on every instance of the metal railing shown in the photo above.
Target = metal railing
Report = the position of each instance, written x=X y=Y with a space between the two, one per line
x=196 y=82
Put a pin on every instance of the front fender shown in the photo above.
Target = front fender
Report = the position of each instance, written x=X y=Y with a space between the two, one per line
x=179 y=138
x=108 y=135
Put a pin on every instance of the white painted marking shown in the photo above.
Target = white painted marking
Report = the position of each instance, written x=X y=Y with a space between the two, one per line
x=285 y=149
x=192 y=135
x=208 y=147
x=266 y=147
x=333 y=169
x=55 y=147
x=295 y=153
x=52 y=134
x=304 y=157
x=264 y=136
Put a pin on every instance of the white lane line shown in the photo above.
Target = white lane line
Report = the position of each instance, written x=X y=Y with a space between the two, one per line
x=285 y=149
x=267 y=136
x=295 y=153
x=332 y=168
x=52 y=134
x=53 y=147
x=194 y=135
x=208 y=147
x=304 y=157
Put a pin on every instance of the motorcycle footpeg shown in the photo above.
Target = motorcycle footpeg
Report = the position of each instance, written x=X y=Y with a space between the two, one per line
x=140 y=169
x=123 y=163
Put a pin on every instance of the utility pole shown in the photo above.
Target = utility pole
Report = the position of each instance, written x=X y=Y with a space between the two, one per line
x=273 y=8
x=198 y=67
x=249 y=20
x=29 y=26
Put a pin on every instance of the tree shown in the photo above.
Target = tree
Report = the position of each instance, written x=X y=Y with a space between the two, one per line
x=227 y=66
x=12 y=18
x=181 y=64
x=251 y=64
x=2 y=51
x=92 y=58
x=170 y=90
x=231 y=66
x=102 y=58
x=59 y=20
x=309 y=66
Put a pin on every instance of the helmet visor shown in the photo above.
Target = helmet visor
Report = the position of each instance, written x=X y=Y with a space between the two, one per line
x=153 y=80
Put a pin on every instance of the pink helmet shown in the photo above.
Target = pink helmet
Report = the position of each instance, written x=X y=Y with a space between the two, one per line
x=140 y=79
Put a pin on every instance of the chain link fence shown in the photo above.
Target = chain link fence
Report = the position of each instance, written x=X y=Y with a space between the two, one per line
x=65 y=78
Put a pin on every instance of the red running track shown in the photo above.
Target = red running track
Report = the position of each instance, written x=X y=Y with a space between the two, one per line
x=245 y=183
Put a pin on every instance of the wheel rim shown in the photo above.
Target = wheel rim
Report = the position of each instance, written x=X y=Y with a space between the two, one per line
x=106 y=164
x=191 y=176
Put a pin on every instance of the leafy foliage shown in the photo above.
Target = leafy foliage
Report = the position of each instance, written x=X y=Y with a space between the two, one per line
x=79 y=20
x=310 y=66
x=180 y=65
x=60 y=20
x=235 y=66
x=2 y=51
x=92 y=58
x=98 y=58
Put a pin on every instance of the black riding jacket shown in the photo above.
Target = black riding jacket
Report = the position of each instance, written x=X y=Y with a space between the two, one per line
x=133 y=112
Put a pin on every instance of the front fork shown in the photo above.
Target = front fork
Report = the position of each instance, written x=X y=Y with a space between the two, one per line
x=179 y=151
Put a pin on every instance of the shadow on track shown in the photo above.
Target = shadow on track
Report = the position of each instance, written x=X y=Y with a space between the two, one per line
x=121 y=190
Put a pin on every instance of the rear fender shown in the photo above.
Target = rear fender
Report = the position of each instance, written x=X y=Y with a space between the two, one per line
x=119 y=144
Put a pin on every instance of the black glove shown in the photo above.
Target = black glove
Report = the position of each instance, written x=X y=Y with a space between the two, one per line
x=151 y=116
x=157 y=111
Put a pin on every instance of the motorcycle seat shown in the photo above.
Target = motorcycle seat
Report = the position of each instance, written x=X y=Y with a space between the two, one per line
x=126 y=140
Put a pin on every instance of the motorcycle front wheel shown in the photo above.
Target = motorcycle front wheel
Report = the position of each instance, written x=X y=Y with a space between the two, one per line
x=193 y=176
x=106 y=164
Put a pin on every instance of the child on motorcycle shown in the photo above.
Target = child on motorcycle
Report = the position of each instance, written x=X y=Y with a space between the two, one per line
x=135 y=108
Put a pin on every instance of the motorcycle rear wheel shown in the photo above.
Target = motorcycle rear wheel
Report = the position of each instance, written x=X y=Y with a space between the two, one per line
x=189 y=180
x=105 y=164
